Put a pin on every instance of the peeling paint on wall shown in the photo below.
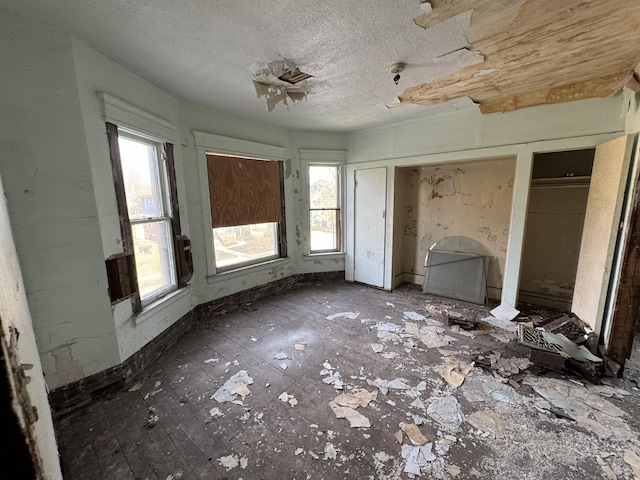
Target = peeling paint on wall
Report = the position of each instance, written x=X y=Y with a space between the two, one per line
x=287 y=168
x=67 y=368
x=466 y=199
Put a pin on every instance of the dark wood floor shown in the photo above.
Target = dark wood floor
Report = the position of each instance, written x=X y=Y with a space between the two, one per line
x=165 y=430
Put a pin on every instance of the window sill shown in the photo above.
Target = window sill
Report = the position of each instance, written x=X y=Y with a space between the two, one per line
x=162 y=304
x=324 y=255
x=247 y=269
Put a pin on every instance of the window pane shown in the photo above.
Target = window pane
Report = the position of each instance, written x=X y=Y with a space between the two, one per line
x=154 y=257
x=323 y=186
x=245 y=243
x=323 y=230
x=140 y=172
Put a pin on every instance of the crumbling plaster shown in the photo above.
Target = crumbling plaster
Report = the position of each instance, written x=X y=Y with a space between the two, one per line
x=58 y=185
x=468 y=135
x=471 y=199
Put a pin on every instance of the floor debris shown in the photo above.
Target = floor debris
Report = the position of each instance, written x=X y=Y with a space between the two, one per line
x=347 y=315
x=330 y=452
x=136 y=387
x=359 y=398
x=472 y=408
x=447 y=412
x=634 y=462
x=418 y=457
x=488 y=421
x=356 y=419
x=229 y=462
x=286 y=398
x=215 y=412
x=454 y=373
x=504 y=311
x=501 y=392
x=414 y=433
x=236 y=385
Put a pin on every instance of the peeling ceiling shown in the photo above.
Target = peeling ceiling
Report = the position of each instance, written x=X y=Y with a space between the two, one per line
x=500 y=54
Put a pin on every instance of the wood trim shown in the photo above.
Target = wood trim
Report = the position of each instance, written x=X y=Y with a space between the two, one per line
x=282 y=227
x=181 y=244
x=123 y=215
x=627 y=303
x=173 y=190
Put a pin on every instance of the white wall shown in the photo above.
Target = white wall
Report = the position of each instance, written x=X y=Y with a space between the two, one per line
x=202 y=119
x=468 y=135
x=95 y=74
x=59 y=187
x=56 y=171
x=49 y=190
x=14 y=314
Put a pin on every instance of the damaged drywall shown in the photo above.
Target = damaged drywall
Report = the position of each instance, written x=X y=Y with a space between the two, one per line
x=280 y=82
x=533 y=55
x=463 y=199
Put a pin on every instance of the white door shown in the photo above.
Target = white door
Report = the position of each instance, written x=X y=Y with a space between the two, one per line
x=370 y=204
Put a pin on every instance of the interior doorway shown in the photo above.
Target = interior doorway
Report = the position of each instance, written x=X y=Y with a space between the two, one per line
x=558 y=197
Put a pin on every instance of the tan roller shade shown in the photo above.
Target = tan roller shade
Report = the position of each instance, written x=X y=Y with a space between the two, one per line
x=243 y=191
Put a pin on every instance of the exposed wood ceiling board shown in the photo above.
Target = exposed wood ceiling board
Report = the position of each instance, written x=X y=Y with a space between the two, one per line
x=634 y=83
x=489 y=16
x=598 y=87
x=538 y=54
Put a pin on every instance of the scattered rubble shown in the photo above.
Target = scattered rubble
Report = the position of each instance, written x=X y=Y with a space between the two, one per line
x=347 y=315
x=232 y=461
x=494 y=382
x=236 y=385
x=286 y=398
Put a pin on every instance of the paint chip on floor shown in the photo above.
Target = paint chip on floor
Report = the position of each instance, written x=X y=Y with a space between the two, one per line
x=286 y=398
x=136 y=387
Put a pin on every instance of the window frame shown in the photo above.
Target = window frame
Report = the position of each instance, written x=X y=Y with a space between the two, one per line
x=162 y=179
x=209 y=143
x=323 y=158
x=337 y=209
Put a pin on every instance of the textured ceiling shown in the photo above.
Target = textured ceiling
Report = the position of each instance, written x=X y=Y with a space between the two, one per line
x=207 y=52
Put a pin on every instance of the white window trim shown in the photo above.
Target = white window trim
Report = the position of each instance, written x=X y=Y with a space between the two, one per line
x=310 y=158
x=211 y=143
x=127 y=116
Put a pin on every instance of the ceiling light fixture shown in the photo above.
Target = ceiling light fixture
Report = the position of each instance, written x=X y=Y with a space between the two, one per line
x=397 y=69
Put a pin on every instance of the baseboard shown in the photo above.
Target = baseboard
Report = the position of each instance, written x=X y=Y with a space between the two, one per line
x=75 y=395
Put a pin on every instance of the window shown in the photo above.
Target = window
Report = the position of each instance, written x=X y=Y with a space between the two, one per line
x=324 y=208
x=246 y=210
x=156 y=258
x=145 y=183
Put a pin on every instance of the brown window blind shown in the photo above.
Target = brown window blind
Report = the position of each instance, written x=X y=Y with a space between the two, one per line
x=243 y=191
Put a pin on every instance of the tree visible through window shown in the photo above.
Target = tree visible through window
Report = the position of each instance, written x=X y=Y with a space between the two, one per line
x=324 y=208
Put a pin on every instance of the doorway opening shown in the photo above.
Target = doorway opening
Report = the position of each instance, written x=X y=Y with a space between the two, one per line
x=558 y=197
